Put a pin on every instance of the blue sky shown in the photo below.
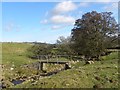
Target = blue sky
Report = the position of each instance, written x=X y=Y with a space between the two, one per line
x=45 y=21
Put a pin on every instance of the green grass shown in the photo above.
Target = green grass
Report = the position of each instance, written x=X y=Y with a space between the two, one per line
x=14 y=53
x=14 y=56
x=111 y=56
x=79 y=77
x=103 y=74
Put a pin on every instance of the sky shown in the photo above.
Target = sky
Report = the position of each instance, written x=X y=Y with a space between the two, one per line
x=46 y=21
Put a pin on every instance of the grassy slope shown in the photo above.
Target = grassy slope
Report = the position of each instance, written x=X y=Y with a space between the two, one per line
x=14 y=53
x=102 y=74
x=13 y=56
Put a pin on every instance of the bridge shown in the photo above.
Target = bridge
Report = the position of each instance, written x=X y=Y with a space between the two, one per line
x=55 y=60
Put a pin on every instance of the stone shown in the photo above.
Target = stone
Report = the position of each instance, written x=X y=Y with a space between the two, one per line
x=111 y=81
x=89 y=62
x=11 y=68
x=97 y=78
x=97 y=86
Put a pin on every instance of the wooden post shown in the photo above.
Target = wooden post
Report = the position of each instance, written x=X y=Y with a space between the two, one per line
x=38 y=57
x=57 y=59
x=47 y=58
x=41 y=66
x=38 y=65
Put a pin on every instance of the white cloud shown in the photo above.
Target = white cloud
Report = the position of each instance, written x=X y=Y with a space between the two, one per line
x=99 y=1
x=56 y=27
x=11 y=26
x=44 y=21
x=59 y=0
x=63 y=7
x=111 y=7
x=61 y=19
x=83 y=4
x=59 y=15
x=103 y=0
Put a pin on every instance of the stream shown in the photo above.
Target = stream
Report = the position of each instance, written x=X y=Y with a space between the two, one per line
x=15 y=82
x=18 y=81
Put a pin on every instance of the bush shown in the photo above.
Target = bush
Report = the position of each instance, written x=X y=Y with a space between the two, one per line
x=39 y=49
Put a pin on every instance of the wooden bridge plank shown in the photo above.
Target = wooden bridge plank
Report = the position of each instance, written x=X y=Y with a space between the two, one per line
x=59 y=62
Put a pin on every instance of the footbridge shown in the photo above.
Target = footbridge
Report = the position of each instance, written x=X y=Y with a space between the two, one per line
x=56 y=59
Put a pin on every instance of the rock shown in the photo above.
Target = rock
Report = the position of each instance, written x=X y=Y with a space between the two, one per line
x=43 y=83
x=107 y=78
x=97 y=78
x=116 y=67
x=3 y=86
x=67 y=84
x=2 y=79
x=108 y=67
x=89 y=62
x=87 y=74
x=32 y=81
x=24 y=77
x=77 y=60
x=98 y=68
x=80 y=71
x=11 y=68
x=111 y=81
x=97 y=86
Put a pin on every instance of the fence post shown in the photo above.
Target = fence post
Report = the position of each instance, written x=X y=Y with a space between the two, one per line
x=47 y=58
x=57 y=59
x=41 y=66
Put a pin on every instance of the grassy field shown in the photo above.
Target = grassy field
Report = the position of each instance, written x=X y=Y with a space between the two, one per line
x=101 y=74
x=13 y=57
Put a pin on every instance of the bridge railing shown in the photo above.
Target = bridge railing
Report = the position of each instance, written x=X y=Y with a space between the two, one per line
x=54 y=57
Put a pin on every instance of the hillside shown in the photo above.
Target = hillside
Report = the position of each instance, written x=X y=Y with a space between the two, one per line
x=100 y=74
